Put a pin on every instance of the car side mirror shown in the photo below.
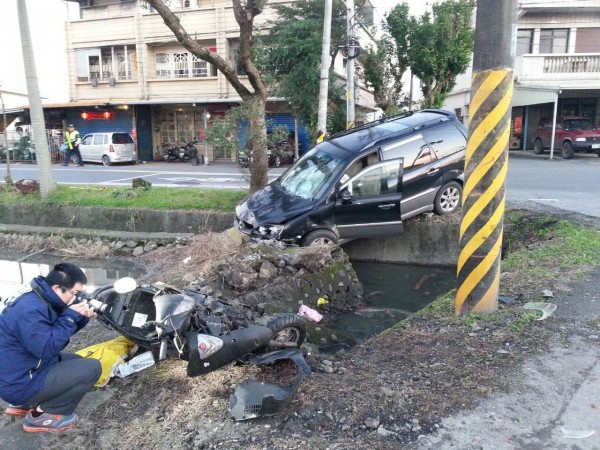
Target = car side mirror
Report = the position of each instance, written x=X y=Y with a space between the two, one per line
x=345 y=195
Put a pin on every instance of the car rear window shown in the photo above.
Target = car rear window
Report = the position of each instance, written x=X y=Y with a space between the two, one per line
x=121 y=138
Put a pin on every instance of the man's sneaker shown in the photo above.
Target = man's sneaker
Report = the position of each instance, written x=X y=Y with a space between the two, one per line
x=49 y=422
x=18 y=410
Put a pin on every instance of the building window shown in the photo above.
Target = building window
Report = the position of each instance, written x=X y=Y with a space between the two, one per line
x=106 y=63
x=524 y=42
x=183 y=65
x=554 y=41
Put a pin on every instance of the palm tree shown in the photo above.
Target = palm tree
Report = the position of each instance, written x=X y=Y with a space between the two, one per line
x=47 y=183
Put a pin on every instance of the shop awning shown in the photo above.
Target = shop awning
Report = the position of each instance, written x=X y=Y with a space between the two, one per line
x=11 y=115
x=534 y=95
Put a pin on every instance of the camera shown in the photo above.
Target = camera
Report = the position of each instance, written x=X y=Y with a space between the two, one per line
x=95 y=305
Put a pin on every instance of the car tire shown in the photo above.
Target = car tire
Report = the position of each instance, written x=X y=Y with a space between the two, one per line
x=75 y=160
x=106 y=161
x=538 y=147
x=448 y=199
x=319 y=237
x=567 y=150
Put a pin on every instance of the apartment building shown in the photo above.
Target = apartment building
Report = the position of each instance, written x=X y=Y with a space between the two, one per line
x=128 y=73
x=557 y=62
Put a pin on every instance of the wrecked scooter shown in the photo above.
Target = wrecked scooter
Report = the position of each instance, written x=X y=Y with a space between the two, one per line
x=206 y=332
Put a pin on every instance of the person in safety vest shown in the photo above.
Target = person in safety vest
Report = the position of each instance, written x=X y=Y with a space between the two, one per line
x=40 y=382
x=73 y=140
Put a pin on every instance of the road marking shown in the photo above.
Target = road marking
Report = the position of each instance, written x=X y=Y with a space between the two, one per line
x=200 y=180
x=123 y=179
x=542 y=199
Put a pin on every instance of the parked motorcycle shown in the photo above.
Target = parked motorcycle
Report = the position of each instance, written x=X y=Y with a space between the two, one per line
x=184 y=154
x=205 y=331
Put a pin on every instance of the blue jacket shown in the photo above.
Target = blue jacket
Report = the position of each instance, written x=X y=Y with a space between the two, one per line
x=33 y=332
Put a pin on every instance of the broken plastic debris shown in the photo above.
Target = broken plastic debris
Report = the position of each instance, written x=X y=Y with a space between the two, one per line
x=546 y=308
x=187 y=260
x=577 y=434
x=322 y=301
x=508 y=299
x=310 y=313
x=136 y=364
x=548 y=293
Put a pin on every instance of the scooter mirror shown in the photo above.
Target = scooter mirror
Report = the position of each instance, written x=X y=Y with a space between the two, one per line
x=125 y=285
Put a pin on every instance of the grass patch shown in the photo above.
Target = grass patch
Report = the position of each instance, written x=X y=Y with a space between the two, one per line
x=156 y=198
x=565 y=246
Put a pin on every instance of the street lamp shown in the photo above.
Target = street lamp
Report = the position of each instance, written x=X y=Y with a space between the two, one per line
x=206 y=117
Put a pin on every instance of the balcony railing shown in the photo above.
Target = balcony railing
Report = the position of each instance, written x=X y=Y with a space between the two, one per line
x=567 y=69
x=571 y=63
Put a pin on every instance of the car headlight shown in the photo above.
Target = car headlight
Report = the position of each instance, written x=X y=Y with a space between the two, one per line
x=580 y=139
x=270 y=231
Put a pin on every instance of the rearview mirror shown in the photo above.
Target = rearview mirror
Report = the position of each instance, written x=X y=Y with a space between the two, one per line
x=125 y=285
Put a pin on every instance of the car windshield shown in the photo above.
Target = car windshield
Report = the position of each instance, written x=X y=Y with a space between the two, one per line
x=121 y=138
x=310 y=174
x=579 y=124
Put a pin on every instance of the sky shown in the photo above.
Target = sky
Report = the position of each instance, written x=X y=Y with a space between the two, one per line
x=47 y=19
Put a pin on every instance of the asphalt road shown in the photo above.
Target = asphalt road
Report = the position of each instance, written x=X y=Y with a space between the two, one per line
x=572 y=185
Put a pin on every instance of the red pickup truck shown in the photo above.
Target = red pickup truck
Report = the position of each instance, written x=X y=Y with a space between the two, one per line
x=573 y=134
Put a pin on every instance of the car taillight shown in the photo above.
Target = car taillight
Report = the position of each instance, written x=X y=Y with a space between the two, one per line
x=111 y=148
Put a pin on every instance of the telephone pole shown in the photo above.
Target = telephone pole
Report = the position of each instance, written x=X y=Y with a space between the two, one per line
x=486 y=162
x=325 y=63
x=350 y=67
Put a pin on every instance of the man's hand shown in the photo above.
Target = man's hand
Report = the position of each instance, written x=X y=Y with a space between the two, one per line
x=83 y=309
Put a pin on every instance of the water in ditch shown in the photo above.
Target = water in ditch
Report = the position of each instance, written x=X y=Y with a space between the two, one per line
x=392 y=291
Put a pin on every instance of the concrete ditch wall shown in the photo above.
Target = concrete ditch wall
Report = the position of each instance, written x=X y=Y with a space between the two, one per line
x=115 y=219
x=424 y=243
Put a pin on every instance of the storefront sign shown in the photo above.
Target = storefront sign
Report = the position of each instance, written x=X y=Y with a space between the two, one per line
x=96 y=115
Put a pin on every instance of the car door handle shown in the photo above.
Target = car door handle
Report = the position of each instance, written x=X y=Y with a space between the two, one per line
x=391 y=205
x=433 y=171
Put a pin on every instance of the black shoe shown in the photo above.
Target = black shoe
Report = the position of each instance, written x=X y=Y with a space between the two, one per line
x=66 y=165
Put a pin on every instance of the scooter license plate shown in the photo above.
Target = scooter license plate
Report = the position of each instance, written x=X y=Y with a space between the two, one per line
x=594 y=146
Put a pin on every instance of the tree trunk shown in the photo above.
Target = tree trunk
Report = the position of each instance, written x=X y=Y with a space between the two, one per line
x=259 y=166
x=47 y=183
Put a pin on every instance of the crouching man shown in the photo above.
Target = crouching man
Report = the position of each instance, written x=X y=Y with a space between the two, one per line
x=42 y=383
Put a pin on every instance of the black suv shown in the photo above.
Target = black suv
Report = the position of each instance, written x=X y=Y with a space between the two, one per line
x=363 y=182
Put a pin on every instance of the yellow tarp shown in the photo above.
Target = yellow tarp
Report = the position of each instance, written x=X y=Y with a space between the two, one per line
x=110 y=354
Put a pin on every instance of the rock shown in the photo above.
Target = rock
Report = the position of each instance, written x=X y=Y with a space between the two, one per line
x=372 y=423
x=138 y=251
x=327 y=369
x=131 y=244
x=385 y=433
x=326 y=362
x=280 y=263
x=188 y=277
x=267 y=270
x=150 y=245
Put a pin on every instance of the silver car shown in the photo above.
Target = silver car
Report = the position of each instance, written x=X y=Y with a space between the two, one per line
x=108 y=148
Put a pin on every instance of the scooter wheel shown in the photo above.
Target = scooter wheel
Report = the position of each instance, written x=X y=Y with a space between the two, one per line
x=287 y=328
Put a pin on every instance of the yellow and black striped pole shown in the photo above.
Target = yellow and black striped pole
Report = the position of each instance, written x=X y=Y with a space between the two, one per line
x=486 y=163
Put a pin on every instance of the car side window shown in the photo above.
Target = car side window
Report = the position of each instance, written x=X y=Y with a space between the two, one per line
x=378 y=180
x=445 y=140
x=87 y=140
x=414 y=150
x=106 y=139
x=98 y=139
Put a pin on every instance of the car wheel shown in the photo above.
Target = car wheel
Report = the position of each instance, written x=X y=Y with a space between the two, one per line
x=448 y=199
x=288 y=330
x=538 y=147
x=106 y=160
x=75 y=159
x=319 y=237
x=567 y=150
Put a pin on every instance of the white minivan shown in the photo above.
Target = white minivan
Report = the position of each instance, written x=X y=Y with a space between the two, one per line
x=107 y=148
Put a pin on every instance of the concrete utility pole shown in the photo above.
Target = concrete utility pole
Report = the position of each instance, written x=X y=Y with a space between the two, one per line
x=47 y=183
x=350 y=67
x=325 y=63
x=8 y=177
x=486 y=163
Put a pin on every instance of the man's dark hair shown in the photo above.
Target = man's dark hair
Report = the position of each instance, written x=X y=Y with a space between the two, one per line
x=66 y=275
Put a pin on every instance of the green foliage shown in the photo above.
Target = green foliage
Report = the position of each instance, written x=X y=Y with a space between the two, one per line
x=441 y=43
x=291 y=59
x=436 y=46
x=156 y=198
x=222 y=134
